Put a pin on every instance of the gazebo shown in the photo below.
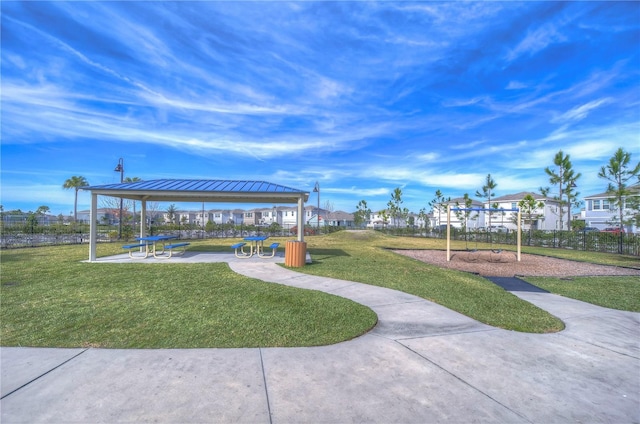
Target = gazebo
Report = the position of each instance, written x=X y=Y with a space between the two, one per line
x=172 y=190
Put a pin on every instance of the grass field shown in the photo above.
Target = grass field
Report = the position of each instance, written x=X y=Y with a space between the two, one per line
x=49 y=297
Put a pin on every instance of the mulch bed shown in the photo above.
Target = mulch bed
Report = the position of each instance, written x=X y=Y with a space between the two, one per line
x=505 y=264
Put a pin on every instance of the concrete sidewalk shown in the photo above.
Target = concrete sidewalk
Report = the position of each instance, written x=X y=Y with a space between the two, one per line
x=422 y=363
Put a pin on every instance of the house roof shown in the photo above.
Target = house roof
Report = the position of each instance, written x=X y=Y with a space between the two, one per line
x=518 y=196
x=461 y=201
x=182 y=190
x=339 y=215
x=634 y=188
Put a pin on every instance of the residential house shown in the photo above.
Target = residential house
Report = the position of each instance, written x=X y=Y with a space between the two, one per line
x=547 y=217
x=104 y=216
x=600 y=212
x=252 y=217
x=269 y=216
x=378 y=220
x=334 y=219
x=289 y=216
x=472 y=219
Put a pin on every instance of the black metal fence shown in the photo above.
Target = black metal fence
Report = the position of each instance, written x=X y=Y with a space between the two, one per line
x=591 y=241
x=39 y=235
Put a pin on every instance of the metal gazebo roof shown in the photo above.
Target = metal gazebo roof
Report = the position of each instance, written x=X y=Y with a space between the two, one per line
x=182 y=190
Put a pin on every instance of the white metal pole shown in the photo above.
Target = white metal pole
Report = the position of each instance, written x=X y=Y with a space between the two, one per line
x=448 y=233
x=519 y=236
x=301 y=218
x=93 y=227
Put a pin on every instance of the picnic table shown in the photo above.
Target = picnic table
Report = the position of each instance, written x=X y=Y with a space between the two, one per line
x=256 y=244
x=151 y=245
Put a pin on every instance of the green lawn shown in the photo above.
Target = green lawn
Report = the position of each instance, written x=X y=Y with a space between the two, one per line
x=364 y=257
x=611 y=292
x=50 y=298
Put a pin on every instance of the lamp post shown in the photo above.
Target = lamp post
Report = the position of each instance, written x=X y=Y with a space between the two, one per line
x=120 y=169
x=316 y=189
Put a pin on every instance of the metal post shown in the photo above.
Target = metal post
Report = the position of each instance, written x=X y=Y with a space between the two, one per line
x=519 y=236
x=93 y=227
x=120 y=169
x=316 y=189
x=448 y=233
x=301 y=218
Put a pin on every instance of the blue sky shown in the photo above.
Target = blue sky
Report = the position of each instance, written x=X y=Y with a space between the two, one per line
x=361 y=97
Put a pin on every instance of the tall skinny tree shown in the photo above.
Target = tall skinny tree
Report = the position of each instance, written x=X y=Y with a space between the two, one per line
x=438 y=202
x=363 y=214
x=529 y=208
x=75 y=183
x=487 y=192
x=465 y=215
x=619 y=172
x=394 y=205
x=565 y=178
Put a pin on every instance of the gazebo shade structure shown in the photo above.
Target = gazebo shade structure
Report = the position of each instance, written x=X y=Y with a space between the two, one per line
x=216 y=191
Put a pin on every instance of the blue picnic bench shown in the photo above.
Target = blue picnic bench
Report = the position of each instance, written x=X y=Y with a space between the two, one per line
x=273 y=247
x=170 y=248
x=239 y=250
x=136 y=246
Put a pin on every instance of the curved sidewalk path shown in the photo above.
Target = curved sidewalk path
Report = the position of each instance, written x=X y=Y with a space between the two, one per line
x=422 y=363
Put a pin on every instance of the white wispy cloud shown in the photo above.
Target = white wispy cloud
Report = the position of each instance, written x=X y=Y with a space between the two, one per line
x=580 y=112
x=536 y=40
x=515 y=85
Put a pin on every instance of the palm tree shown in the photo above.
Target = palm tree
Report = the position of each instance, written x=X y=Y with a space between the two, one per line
x=75 y=182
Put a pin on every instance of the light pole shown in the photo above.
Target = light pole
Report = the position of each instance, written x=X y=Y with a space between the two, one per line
x=316 y=189
x=120 y=169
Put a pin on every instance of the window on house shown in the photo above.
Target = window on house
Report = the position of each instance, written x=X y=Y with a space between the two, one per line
x=596 y=205
x=514 y=205
x=605 y=204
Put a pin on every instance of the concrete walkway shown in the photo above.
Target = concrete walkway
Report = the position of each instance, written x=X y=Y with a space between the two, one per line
x=422 y=363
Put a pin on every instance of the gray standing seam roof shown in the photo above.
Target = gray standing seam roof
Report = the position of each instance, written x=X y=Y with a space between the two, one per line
x=225 y=186
x=202 y=190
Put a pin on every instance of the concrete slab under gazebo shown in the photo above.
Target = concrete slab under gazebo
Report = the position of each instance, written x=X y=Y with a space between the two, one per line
x=181 y=190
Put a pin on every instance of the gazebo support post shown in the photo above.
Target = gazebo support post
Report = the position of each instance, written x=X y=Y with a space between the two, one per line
x=301 y=218
x=143 y=219
x=93 y=227
x=448 y=233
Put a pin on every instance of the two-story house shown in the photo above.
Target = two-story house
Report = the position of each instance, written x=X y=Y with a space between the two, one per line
x=471 y=219
x=546 y=217
x=600 y=210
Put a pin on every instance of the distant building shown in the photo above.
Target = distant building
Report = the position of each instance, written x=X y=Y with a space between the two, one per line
x=600 y=212
x=548 y=217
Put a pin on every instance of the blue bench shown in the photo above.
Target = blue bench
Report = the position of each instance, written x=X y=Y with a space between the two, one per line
x=170 y=248
x=239 y=250
x=273 y=247
x=136 y=246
